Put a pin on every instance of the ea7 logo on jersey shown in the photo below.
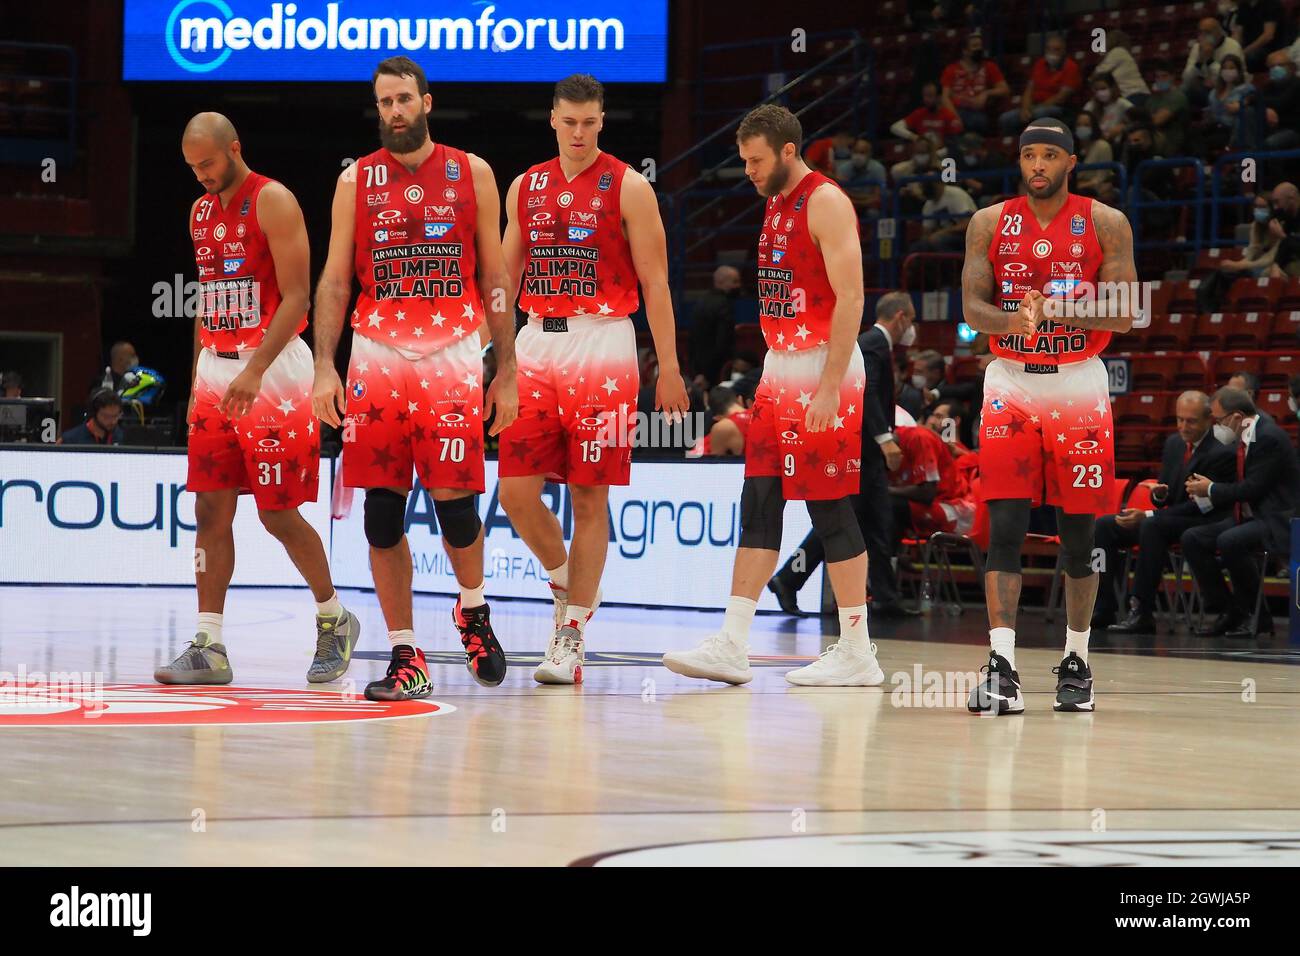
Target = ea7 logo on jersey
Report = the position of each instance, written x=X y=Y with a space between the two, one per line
x=1008 y=248
x=536 y=201
x=377 y=199
x=200 y=233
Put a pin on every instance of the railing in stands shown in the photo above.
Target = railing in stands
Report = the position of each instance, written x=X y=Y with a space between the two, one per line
x=1134 y=204
x=19 y=148
x=1219 y=200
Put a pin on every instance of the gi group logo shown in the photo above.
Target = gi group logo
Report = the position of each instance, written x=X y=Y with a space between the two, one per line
x=35 y=700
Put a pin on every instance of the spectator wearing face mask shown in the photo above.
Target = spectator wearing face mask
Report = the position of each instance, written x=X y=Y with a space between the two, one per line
x=1204 y=55
x=1228 y=105
x=929 y=374
x=1169 y=109
x=1120 y=64
x=926 y=156
x=1092 y=148
x=864 y=179
x=1108 y=105
x=973 y=84
x=824 y=154
x=954 y=207
x=932 y=118
x=974 y=157
x=1256 y=259
x=1248 y=382
x=1053 y=81
x=1285 y=225
x=1258 y=26
x=1281 y=100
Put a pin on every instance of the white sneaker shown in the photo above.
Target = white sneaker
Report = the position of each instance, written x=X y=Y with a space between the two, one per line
x=562 y=605
x=719 y=657
x=840 y=666
x=563 y=661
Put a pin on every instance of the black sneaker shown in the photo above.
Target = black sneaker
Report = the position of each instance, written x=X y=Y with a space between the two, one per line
x=483 y=655
x=407 y=678
x=1073 y=685
x=999 y=692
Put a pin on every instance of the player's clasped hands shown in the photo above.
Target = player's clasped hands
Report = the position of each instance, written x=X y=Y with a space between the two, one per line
x=327 y=400
x=242 y=393
x=823 y=408
x=1030 y=313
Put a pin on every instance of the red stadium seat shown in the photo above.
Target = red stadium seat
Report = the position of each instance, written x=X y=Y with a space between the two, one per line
x=1167 y=371
x=940 y=336
x=1274 y=401
x=1209 y=261
x=1290 y=297
x=1248 y=330
x=1285 y=330
x=1210 y=330
x=1278 y=370
x=1161 y=292
x=1251 y=294
x=1170 y=330
x=1223 y=367
x=1142 y=408
x=1182 y=295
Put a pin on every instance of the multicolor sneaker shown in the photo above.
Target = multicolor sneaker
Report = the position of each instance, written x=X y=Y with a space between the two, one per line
x=202 y=662
x=1073 y=686
x=999 y=690
x=563 y=661
x=407 y=678
x=484 y=658
x=335 y=639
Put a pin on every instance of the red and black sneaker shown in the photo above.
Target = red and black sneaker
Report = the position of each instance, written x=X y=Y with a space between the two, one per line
x=483 y=655
x=407 y=678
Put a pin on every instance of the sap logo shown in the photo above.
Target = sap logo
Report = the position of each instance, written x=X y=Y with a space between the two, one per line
x=233 y=249
x=377 y=199
x=231 y=266
x=388 y=215
x=579 y=235
x=1008 y=286
x=436 y=230
x=1061 y=286
x=381 y=235
x=1015 y=269
x=535 y=202
x=200 y=234
x=1042 y=249
x=440 y=212
x=541 y=217
x=778 y=255
x=1069 y=268
x=1008 y=248
x=584 y=218
x=997 y=431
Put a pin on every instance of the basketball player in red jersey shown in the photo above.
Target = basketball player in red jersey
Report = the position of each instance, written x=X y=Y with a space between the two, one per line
x=251 y=426
x=730 y=425
x=418 y=223
x=1033 y=264
x=930 y=493
x=582 y=230
x=805 y=433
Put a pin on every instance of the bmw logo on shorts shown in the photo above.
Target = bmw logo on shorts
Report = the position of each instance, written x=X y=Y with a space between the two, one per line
x=358 y=389
x=997 y=404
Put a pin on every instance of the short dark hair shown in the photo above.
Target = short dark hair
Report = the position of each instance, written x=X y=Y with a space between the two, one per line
x=776 y=124
x=11 y=379
x=955 y=408
x=401 y=66
x=721 y=398
x=1251 y=379
x=1234 y=400
x=931 y=359
x=102 y=399
x=579 y=88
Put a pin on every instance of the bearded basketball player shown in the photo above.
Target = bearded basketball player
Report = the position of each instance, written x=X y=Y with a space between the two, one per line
x=1046 y=433
x=251 y=426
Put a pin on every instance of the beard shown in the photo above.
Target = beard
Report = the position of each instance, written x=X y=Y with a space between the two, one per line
x=776 y=181
x=1046 y=192
x=407 y=141
x=227 y=179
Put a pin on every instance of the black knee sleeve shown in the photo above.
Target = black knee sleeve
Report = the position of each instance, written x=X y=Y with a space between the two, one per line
x=1008 y=524
x=837 y=527
x=762 y=507
x=459 y=521
x=385 y=517
x=1077 y=533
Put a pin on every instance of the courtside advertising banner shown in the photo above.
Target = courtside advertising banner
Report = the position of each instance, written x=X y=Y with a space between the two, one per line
x=620 y=41
x=673 y=534
x=105 y=517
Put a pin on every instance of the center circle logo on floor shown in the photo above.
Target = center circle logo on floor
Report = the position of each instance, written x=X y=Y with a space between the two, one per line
x=83 y=703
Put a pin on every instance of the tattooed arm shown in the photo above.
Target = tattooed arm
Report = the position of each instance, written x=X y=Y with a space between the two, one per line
x=980 y=307
x=1118 y=293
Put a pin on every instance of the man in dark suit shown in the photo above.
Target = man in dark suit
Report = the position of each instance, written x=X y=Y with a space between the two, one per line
x=1192 y=450
x=894 y=317
x=1259 y=503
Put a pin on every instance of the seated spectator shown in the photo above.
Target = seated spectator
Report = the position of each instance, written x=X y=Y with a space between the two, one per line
x=713 y=325
x=926 y=153
x=1255 y=260
x=1259 y=504
x=931 y=118
x=1190 y=450
x=1280 y=97
x=823 y=154
x=1156 y=182
x=1092 y=147
x=1285 y=226
x=972 y=84
x=12 y=384
x=1258 y=26
x=122 y=358
x=946 y=419
x=1108 y=105
x=1169 y=109
x=1119 y=63
x=930 y=374
x=102 y=426
x=907 y=395
x=730 y=425
x=927 y=492
x=1226 y=111
x=976 y=158
x=954 y=205
x=1204 y=55
x=864 y=178
x=1054 y=80
x=1248 y=382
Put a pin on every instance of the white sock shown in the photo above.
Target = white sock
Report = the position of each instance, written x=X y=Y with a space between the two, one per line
x=1077 y=642
x=560 y=576
x=577 y=617
x=330 y=608
x=210 y=624
x=739 y=616
x=1003 y=641
x=406 y=637
x=472 y=597
x=853 y=628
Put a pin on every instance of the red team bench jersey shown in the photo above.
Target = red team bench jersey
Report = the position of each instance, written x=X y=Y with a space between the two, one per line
x=415 y=252
x=795 y=299
x=1055 y=261
x=577 y=260
x=236 y=272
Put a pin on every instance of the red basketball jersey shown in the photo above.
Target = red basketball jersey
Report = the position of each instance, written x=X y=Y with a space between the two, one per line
x=577 y=261
x=1057 y=261
x=795 y=299
x=415 y=252
x=237 y=281
x=926 y=458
